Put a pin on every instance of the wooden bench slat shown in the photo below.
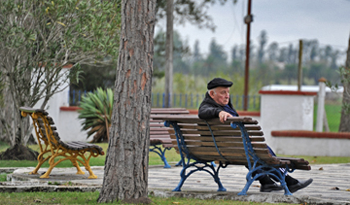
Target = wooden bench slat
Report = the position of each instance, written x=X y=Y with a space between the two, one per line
x=219 y=132
x=222 y=144
x=195 y=119
x=216 y=127
x=218 y=139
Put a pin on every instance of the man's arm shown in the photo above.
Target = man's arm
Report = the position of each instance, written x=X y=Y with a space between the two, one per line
x=207 y=112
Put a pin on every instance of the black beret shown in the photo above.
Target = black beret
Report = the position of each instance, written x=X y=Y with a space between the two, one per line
x=218 y=82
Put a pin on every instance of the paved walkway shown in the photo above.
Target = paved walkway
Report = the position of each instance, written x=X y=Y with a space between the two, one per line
x=331 y=184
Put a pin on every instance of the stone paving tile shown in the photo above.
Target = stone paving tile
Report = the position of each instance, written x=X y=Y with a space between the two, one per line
x=232 y=177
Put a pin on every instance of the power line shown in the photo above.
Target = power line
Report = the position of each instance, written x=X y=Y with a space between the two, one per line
x=235 y=25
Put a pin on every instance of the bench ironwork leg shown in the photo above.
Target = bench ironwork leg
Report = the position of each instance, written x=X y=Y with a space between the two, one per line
x=281 y=177
x=214 y=173
x=76 y=165
x=179 y=163
x=161 y=154
x=264 y=169
x=185 y=155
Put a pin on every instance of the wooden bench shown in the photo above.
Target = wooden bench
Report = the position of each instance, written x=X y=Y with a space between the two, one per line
x=54 y=149
x=238 y=141
x=159 y=135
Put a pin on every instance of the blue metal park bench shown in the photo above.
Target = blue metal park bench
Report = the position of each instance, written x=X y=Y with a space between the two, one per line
x=238 y=141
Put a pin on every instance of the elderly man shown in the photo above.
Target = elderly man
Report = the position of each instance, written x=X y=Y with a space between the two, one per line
x=217 y=103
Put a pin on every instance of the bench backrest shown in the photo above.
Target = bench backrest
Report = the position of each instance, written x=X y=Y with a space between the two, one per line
x=214 y=141
x=159 y=134
x=47 y=133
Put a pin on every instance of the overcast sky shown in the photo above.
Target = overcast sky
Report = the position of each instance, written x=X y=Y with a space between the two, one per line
x=285 y=21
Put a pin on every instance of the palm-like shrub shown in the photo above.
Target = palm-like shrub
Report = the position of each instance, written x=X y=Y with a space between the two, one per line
x=96 y=112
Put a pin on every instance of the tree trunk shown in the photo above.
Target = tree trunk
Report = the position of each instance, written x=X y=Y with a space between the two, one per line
x=7 y=113
x=345 y=113
x=126 y=166
x=169 y=53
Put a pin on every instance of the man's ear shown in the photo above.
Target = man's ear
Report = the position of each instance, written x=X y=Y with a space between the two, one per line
x=211 y=93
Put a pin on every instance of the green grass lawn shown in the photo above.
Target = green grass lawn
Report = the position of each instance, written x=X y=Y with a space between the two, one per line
x=91 y=197
x=333 y=111
x=154 y=159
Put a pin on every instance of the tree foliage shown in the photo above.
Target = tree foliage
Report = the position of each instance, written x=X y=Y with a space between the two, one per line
x=191 y=11
x=39 y=38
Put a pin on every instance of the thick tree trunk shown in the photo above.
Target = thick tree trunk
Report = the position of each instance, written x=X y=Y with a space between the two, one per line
x=126 y=166
x=345 y=113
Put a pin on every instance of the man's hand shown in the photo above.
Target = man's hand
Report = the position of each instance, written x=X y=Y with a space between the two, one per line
x=223 y=116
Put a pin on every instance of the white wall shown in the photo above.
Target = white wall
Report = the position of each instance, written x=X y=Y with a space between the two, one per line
x=280 y=110
x=69 y=126
x=312 y=146
x=67 y=122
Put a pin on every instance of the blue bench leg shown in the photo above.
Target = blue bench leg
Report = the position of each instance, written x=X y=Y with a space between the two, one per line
x=179 y=163
x=182 y=180
x=166 y=165
x=221 y=188
x=214 y=174
x=246 y=187
x=161 y=154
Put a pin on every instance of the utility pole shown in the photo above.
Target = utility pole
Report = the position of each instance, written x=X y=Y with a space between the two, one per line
x=300 y=70
x=248 y=19
x=169 y=54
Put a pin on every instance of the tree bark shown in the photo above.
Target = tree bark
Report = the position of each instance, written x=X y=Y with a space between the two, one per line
x=169 y=53
x=7 y=114
x=345 y=113
x=126 y=166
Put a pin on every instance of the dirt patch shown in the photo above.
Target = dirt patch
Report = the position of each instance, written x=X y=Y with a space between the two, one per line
x=19 y=152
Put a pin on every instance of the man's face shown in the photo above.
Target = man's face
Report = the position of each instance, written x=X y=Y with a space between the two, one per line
x=220 y=95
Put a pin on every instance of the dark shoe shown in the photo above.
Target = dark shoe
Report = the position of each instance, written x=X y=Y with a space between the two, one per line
x=270 y=187
x=300 y=185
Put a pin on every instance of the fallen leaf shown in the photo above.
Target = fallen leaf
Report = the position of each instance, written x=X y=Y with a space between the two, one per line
x=347 y=190
x=321 y=169
x=334 y=188
x=174 y=202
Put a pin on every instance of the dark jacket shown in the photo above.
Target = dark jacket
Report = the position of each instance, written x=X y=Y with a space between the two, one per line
x=209 y=109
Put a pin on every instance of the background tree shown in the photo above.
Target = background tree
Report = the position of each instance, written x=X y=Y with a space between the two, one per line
x=92 y=77
x=345 y=112
x=39 y=38
x=237 y=64
x=273 y=51
x=216 y=60
x=181 y=51
x=262 y=39
x=126 y=166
